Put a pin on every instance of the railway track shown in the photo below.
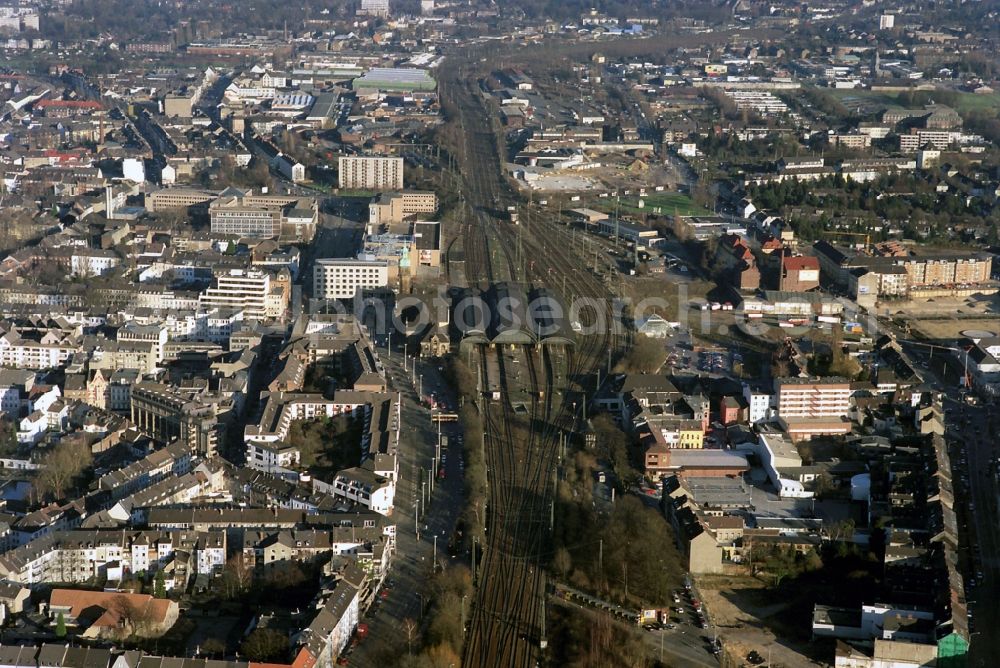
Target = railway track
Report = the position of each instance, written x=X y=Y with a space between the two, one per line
x=506 y=623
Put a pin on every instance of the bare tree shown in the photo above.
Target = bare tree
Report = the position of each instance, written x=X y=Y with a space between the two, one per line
x=237 y=575
x=136 y=618
x=61 y=466
x=410 y=627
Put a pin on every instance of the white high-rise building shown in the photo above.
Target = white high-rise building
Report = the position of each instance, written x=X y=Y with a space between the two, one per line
x=370 y=173
x=239 y=290
x=343 y=278
x=375 y=8
x=886 y=21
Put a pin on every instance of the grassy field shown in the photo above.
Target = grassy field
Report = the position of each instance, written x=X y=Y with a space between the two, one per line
x=664 y=204
x=873 y=100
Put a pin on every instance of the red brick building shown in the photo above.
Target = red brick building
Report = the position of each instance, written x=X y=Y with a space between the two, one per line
x=799 y=274
x=730 y=410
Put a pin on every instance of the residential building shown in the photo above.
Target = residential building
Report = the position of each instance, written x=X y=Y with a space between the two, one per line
x=758 y=402
x=81 y=554
x=30 y=348
x=379 y=8
x=93 y=262
x=15 y=386
x=290 y=168
x=813 y=406
x=169 y=413
x=370 y=173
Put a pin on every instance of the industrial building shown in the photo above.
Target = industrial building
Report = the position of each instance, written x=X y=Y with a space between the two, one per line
x=396 y=79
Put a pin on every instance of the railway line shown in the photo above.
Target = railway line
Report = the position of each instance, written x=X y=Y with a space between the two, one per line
x=506 y=622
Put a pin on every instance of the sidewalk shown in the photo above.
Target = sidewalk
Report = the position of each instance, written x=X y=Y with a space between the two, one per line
x=411 y=570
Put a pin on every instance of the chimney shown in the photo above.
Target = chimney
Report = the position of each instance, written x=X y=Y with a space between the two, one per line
x=109 y=203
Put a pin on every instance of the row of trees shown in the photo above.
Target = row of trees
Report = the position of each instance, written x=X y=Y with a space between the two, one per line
x=628 y=555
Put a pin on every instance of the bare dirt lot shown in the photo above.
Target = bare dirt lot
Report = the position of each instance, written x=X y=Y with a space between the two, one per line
x=750 y=617
x=946 y=317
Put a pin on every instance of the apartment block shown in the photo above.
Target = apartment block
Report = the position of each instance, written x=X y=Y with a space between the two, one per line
x=78 y=555
x=813 y=406
x=168 y=413
x=371 y=173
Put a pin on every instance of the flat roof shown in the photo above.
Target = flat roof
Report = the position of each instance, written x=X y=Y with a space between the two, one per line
x=395 y=77
x=706 y=458
x=716 y=491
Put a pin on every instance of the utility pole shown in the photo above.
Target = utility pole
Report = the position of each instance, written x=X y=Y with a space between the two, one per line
x=600 y=556
x=434 y=564
x=625 y=578
x=543 y=641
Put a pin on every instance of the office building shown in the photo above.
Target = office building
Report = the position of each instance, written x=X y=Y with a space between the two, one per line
x=393 y=208
x=343 y=278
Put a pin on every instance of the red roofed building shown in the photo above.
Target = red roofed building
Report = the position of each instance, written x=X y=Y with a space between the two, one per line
x=102 y=614
x=66 y=108
x=799 y=274
x=736 y=262
x=770 y=245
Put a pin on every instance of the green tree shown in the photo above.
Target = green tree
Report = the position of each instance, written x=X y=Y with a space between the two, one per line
x=213 y=647
x=159 y=585
x=60 y=625
x=265 y=645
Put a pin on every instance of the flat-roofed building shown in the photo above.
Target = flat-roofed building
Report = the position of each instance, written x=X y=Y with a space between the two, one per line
x=178 y=198
x=239 y=290
x=810 y=407
x=343 y=278
x=395 y=207
x=371 y=173
x=427 y=240
x=396 y=79
x=167 y=414
x=267 y=217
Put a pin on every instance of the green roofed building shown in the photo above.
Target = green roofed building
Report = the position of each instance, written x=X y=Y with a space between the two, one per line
x=396 y=79
x=953 y=650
